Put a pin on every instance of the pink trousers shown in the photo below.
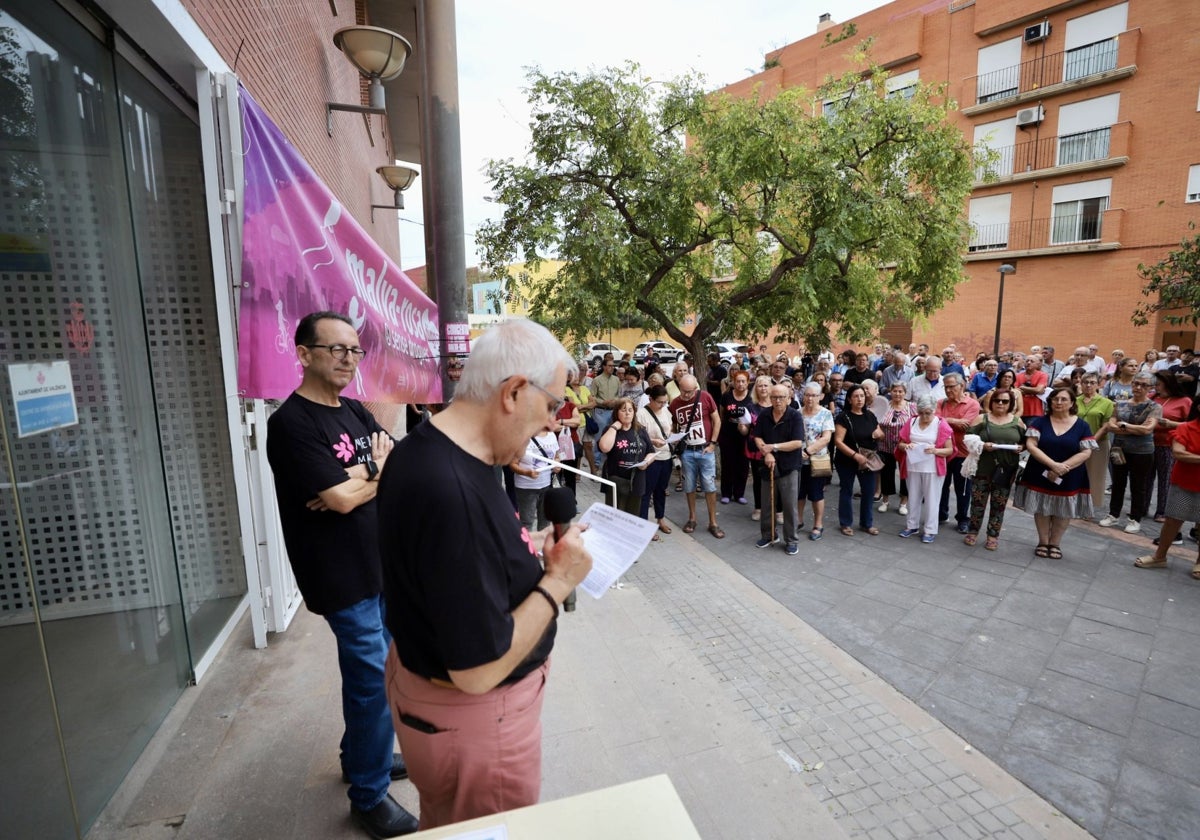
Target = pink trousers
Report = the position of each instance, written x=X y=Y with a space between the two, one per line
x=468 y=755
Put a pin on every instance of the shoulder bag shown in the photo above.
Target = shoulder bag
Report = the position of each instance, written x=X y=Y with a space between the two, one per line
x=873 y=463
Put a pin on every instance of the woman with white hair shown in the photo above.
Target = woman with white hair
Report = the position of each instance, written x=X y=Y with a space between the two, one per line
x=925 y=444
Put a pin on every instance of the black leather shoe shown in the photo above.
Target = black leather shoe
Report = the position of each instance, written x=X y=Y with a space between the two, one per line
x=387 y=819
x=399 y=770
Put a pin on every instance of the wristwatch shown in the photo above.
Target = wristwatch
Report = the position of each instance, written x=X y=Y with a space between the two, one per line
x=372 y=470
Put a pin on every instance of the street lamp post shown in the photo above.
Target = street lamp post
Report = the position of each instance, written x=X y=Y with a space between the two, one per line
x=1004 y=269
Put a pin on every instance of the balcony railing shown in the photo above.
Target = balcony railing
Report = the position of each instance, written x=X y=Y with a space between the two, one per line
x=1037 y=233
x=1046 y=70
x=1047 y=152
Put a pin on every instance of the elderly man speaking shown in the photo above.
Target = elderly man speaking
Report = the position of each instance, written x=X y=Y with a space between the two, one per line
x=471 y=610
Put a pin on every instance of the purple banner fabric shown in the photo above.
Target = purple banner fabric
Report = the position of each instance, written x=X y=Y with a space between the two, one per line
x=301 y=253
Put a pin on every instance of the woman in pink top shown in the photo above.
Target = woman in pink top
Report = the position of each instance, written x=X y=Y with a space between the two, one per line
x=1168 y=393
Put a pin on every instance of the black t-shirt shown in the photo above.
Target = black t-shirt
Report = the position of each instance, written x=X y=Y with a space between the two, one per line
x=716 y=375
x=335 y=556
x=857 y=376
x=456 y=560
x=790 y=427
x=859 y=428
x=734 y=411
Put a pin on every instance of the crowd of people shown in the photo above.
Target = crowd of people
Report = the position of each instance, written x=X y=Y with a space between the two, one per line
x=1061 y=439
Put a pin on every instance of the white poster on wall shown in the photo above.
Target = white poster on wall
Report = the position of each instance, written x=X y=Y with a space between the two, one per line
x=43 y=397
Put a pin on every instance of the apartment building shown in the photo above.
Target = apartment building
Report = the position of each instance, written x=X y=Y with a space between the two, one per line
x=1091 y=109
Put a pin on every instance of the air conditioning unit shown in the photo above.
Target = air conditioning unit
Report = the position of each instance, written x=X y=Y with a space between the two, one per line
x=1030 y=116
x=1037 y=32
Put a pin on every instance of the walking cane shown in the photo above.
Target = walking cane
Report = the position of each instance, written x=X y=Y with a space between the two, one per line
x=774 y=526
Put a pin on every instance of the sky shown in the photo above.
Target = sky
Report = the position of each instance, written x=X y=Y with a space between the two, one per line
x=499 y=39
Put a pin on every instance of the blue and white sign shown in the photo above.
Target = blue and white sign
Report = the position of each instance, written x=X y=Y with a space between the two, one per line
x=43 y=396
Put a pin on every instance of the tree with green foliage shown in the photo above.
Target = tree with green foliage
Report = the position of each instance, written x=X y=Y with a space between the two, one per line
x=790 y=212
x=1173 y=285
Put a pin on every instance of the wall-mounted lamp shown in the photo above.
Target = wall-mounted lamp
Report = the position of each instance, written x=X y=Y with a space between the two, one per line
x=379 y=55
x=399 y=179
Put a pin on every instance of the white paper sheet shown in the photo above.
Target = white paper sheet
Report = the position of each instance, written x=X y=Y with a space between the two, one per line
x=615 y=539
x=918 y=458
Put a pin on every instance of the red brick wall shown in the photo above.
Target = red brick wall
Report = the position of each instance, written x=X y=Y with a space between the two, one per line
x=290 y=66
x=1064 y=299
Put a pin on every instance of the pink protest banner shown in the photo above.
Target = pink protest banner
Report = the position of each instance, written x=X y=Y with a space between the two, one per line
x=302 y=253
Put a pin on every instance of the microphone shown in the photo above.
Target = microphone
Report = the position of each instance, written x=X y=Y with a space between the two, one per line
x=559 y=507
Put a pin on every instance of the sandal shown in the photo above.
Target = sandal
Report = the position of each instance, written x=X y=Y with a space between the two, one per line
x=874 y=532
x=849 y=532
x=971 y=539
x=1196 y=571
x=816 y=534
x=992 y=543
x=655 y=538
x=1149 y=561
x=689 y=526
x=1054 y=552
x=1042 y=550
x=716 y=531
x=664 y=527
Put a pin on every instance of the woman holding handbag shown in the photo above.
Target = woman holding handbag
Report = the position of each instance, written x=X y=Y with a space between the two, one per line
x=897 y=415
x=855 y=439
x=816 y=466
x=655 y=418
x=569 y=445
x=925 y=444
x=1000 y=428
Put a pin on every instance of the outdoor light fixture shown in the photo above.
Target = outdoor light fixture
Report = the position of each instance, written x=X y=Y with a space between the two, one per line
x=398 y=178
x=379 y=55
x=1005 y=268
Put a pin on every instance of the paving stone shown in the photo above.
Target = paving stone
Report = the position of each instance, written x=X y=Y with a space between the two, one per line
x=1174 y=680
x=1131 y=597
x=1117 y=618
x=1168 y=713
x=1166 y=750
x=1058 y=587
x=1069 y=744
x=999 y=698
x=966 y=601
x=1019 y=664
x=1033 y=610
x=908 y=678
x=940 y=621
x=1130 y=644
x=981 y=731
x=1086 y=663
x=890 y=592
x=918 y=647
x=1086 y=702
x=1160 y=804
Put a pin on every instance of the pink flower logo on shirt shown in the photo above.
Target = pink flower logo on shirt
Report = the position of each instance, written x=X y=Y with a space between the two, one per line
x=528 y=540
x=344 y=448
x=622 y=444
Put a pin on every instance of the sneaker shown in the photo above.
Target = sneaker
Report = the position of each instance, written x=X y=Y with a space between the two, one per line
x=1133 y=527
x=883 y=506
x=910 y=532
x=1177 y=541
x=964 y=527
x=903 y=510
x=1109 y=521
x=757 y=515
x=724 y=500
x=741 y=500
x=928 y=538
x=793 y=548
x=763 y=543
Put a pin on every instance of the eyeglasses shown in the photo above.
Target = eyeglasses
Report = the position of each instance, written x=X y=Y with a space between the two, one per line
x=779 y=396
x=555 y=403
x=1001 y=402
x=341 y=351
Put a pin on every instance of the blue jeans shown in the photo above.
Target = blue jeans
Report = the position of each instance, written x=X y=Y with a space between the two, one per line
x=699 y=468
x=866 y=504
x=368 y=742
x=603 y=418
x=658 y=476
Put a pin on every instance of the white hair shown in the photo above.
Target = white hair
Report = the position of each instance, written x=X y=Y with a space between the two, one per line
x=517 y=346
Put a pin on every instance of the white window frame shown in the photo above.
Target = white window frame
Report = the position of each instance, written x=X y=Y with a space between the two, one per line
x=989 y=217
x=1091 y=42
x=997 y=136
x=1077 y=209
x=1085 y=129
x=1193 y=184
x=998 y=70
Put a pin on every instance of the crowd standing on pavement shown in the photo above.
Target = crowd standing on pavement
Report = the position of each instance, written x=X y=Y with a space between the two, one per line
x=1062 y=438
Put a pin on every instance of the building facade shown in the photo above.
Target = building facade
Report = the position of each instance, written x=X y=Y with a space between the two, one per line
x=136 y=511
x=1091 y=109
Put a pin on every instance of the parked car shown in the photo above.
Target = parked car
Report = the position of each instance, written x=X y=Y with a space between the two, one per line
x=665 y=351
x=726 y=350
x=593 y=354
